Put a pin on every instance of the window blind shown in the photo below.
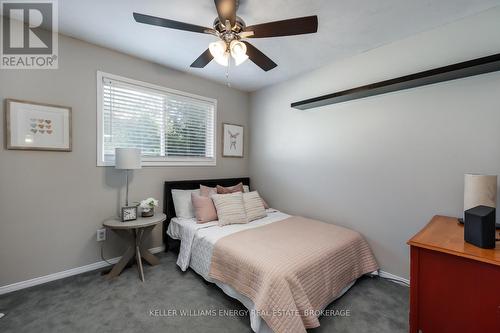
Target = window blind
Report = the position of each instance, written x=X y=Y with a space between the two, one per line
x=165 y=126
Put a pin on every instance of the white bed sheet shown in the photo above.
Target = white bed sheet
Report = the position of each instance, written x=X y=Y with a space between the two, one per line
x=197 y=242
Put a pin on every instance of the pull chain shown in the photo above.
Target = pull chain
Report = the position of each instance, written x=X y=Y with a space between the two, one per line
x=228 y=82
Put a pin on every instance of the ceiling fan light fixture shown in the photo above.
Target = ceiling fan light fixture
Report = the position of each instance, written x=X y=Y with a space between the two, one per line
x=238 y=49
x=218 y=49
x=223 y=60
x=238 y=52
x=230 y=29
x=241 y=59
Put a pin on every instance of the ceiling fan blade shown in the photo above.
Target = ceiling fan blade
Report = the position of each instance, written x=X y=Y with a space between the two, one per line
x=162 y=22
x=259 y=58
x=227 y=10
x=295 y=26
x=203 y=60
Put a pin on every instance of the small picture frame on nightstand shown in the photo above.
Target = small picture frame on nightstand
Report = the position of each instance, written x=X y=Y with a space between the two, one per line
x=129 y=213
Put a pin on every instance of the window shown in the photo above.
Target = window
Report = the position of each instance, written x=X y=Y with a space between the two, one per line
x=170 y=127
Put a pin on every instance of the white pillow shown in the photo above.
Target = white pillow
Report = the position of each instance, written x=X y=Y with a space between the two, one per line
x=183 y=204
x=230 y=208
x=246 y=188
x=254 y=206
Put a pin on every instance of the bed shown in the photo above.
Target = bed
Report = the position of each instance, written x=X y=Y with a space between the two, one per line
x=210 y=250
x=172 y=244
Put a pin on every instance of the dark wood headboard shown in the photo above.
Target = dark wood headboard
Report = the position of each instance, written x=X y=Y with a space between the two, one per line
x=168 y=203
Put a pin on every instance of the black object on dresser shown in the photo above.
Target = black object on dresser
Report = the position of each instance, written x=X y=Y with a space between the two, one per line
x=480 y=227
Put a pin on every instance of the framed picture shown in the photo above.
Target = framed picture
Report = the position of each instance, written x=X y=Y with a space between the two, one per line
x=36 y=126
x=233 y=140
x=129 y=213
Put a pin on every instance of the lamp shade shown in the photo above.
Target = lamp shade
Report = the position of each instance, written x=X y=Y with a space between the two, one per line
x=127 y=158
x=480 y=190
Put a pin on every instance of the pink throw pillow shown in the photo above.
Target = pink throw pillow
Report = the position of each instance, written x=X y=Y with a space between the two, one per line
x=204 y=208
x=231 y=189
x=206 y=191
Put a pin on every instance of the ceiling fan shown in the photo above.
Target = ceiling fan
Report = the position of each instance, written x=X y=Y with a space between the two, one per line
x=231 y=30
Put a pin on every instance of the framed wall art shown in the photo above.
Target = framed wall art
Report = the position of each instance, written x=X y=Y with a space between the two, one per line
x=232 y=140
x=37 y=126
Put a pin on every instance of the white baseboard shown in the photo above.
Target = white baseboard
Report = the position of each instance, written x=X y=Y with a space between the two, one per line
x=101 y=264
x=397 y=279
x=61 y=275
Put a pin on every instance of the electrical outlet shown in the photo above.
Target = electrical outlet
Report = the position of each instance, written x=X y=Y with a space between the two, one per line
x=101 y=235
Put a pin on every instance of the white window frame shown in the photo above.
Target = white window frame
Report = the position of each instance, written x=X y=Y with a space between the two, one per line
x=150 y=161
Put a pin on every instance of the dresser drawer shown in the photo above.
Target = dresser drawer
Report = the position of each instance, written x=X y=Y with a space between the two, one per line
x=453 y=294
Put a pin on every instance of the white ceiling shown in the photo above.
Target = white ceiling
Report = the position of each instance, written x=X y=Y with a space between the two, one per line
x=346 y=28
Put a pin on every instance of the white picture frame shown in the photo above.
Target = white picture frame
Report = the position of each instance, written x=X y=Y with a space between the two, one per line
x=233 y=140
x=37 y=126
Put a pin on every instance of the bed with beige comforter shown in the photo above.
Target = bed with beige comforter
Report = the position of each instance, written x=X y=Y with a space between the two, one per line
x=291 y=269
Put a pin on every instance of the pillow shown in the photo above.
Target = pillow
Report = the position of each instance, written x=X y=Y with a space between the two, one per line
x=246 y=189
x=204 y=208
x=266 y=206
x=254 y=206
x=206 y=191
x=231 y=189
x=183 y=204
x=230 y=208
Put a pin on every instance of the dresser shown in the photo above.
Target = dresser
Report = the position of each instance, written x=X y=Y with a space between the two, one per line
x=455 y=286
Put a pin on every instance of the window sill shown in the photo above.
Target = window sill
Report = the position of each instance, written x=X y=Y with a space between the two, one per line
x=166 y=164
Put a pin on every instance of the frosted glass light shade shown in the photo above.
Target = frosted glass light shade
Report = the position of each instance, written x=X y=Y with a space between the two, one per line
x=217 y=49
x=480 y=190
x=223 y=60
x=128 y=158
x=238 y=52
x=238 y=49
x=240 y=59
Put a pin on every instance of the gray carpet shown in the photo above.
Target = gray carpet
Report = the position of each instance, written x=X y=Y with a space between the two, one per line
x=89 y=303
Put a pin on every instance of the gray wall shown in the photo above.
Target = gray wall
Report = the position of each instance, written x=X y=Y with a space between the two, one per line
x=51 y=203
x=382 y=165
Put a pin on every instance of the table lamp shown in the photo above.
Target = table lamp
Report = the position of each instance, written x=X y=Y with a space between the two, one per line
x=480 y=190
x=128 y=159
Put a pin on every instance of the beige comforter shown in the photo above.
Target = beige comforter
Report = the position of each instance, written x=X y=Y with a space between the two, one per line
x=291 y=269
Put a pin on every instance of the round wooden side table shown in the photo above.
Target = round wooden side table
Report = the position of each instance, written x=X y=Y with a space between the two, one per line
x=134 y=232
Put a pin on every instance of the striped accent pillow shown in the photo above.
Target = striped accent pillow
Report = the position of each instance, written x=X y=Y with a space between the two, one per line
x=246 y=188
x=254 y=206
x=230 y=208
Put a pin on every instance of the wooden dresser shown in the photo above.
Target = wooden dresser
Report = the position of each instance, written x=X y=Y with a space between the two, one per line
x=455 y=286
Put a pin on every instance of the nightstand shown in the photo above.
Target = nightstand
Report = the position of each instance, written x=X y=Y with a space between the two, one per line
x=134 y=232
x=454 y=284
